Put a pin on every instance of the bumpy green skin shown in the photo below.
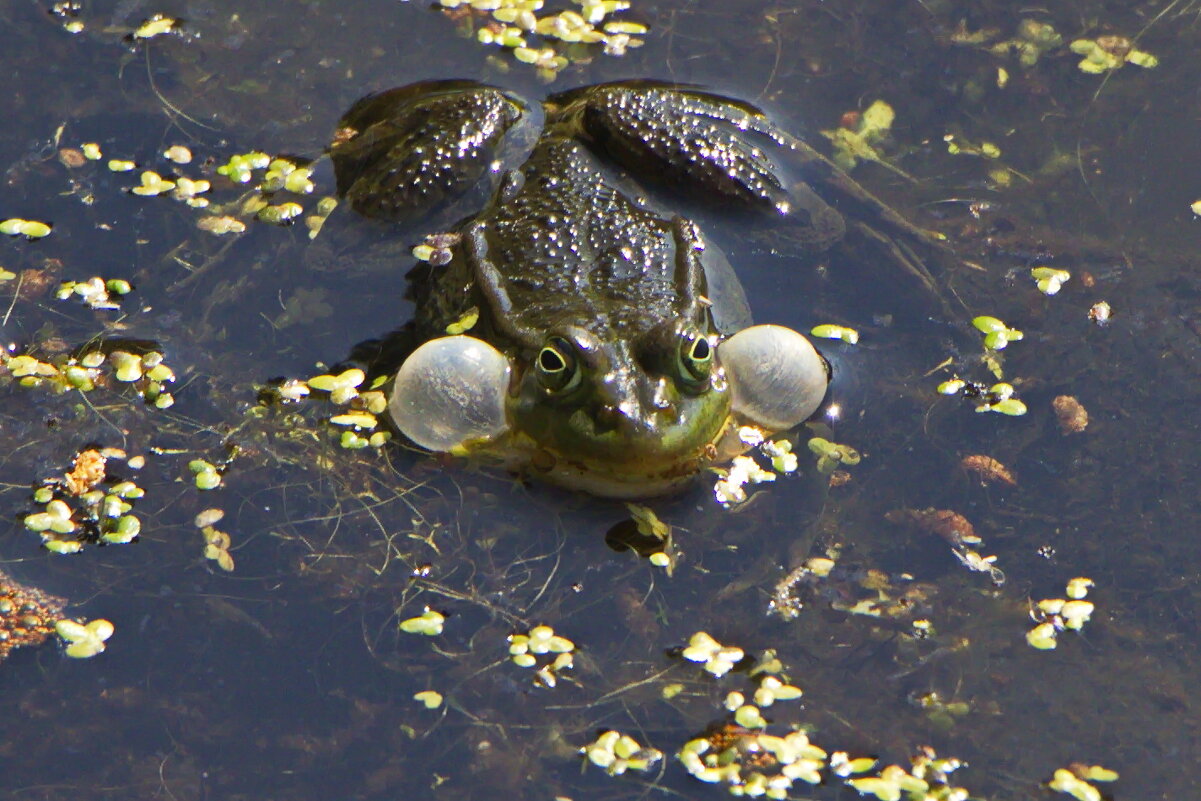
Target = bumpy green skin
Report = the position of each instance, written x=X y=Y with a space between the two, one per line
x=562 y=247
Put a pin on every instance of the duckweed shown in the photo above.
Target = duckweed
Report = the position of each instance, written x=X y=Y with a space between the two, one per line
x=152 y=184
x=283 y=174
x=84 y=640
x=1053 y=615
x=717 y=659
x=76 y=511
x=1107 y=53
x=1049 y=280
x=744 y=757
x=630 y=28
x=1031 y=40
x=57 y=518
x=205 y=475
x=616 y=753
x=157 y=25
x=658 y=534
x=524 y=650
x=997 y=335
x=428 y=623
x=957 y=145
x=771 y=689
x=315 y=221
x=830 y=455
x=1078 y=587
x=357 y=419
x=928 y=778
x=733 y=761
x=513 y=22
x=282 y=214
x=221 y=225
x=30 y=229
x=342 y=388
x=1004 y=404
x=178 y=154
x=95 y=292
x=1076 y=781
x=783 y=460
x=465 y=323
x=437 y=249
x=216 y=546
x=188 y=191
x=857 y=139
x=240 y=168
x=748 y=716
x=540 y=640
x=831 y=331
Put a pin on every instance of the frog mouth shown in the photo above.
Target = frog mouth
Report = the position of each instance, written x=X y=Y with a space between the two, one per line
x=450 y=396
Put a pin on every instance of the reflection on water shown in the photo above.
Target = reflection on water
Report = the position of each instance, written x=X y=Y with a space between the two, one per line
x=289 y=677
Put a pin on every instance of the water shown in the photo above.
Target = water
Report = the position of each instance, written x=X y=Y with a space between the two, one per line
x=287 y=678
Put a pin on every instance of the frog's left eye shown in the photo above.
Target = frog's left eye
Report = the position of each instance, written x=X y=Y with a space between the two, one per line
x=558 y=368
x=696 y=358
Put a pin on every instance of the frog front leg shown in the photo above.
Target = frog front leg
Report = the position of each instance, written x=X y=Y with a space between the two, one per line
x=431 y=148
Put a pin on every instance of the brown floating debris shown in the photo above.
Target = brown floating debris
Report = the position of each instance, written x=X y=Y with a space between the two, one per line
x=27 y=615
x=1073 y=417
x=71 y=157
x=87 y=472
x=951 y=526
x=1100 y=312
x=988 y=469
x=839 y=477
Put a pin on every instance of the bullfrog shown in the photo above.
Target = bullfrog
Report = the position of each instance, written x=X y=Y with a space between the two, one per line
x=612 y=348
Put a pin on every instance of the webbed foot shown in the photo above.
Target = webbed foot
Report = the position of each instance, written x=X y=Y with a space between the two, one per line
x=727 y=153
x=410 y=152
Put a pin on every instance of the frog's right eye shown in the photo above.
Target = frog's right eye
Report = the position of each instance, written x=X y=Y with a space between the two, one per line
x=557 y=366
x=696 y=359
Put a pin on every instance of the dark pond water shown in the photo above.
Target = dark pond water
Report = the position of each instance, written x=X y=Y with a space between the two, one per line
x=288 y=677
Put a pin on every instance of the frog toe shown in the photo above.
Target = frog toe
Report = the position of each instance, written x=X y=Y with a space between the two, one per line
x=693 y=140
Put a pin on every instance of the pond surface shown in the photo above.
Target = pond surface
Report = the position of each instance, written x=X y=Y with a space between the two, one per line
x=288 y=676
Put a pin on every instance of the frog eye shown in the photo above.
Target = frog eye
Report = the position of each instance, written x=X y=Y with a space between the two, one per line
x=696 y=358
x=558 y=370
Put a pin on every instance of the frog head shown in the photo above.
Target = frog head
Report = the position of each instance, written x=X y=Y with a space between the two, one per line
x=618 y=417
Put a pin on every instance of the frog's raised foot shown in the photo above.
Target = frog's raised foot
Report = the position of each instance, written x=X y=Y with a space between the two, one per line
x=728 y=154
x=406 y=153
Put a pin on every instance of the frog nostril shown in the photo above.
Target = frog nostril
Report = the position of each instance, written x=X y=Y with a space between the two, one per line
x=605 y=419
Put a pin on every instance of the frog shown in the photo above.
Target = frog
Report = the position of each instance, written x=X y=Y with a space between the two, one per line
x=610 y=346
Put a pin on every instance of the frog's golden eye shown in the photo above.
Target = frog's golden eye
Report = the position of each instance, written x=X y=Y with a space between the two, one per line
x=558 y=368
x=696 y=359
